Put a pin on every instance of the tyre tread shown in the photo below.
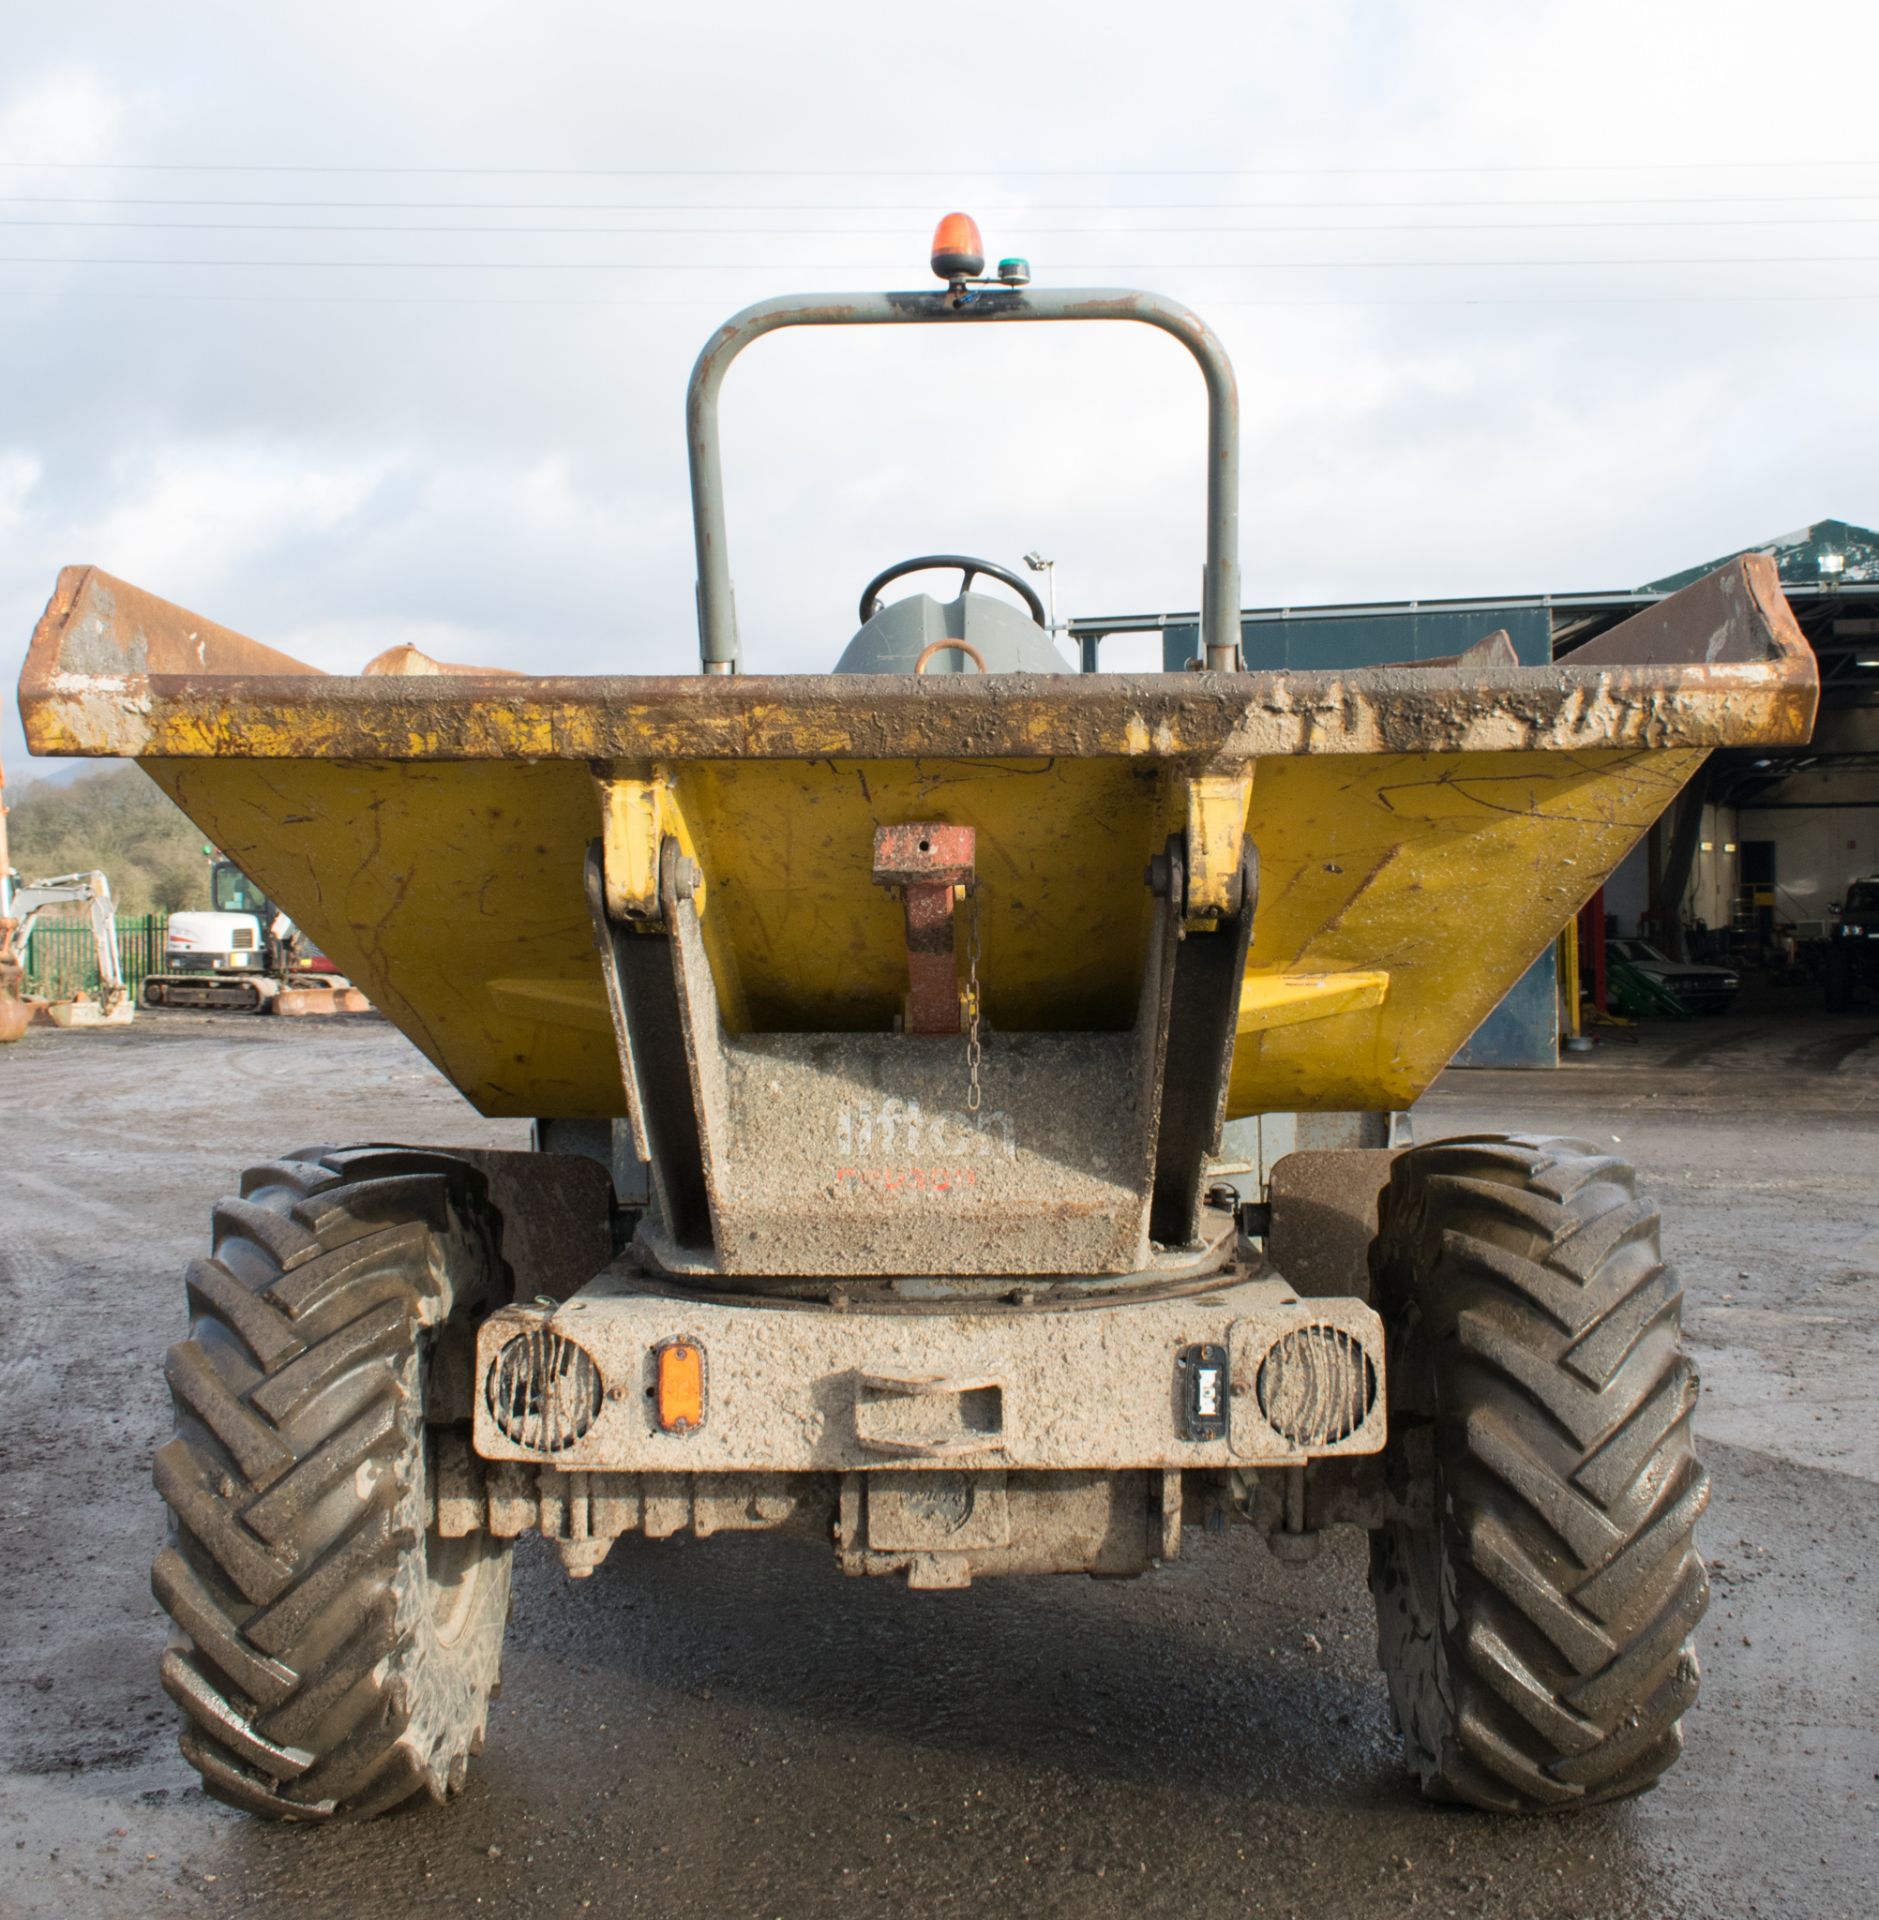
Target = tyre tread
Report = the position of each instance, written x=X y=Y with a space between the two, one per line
x=296 y=1493
x=1556 y=1666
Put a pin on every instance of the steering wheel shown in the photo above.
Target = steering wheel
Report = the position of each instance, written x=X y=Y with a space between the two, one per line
x=969 y=569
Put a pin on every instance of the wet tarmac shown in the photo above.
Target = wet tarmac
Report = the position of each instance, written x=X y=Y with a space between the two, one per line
x=730 y=1728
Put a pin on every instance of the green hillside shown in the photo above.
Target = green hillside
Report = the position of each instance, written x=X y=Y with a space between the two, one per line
x=118 y=821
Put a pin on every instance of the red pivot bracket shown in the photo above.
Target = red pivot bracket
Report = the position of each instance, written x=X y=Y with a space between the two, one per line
x=927 y=860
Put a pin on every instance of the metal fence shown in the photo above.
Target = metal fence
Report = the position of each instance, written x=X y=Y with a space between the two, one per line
x=62 y=956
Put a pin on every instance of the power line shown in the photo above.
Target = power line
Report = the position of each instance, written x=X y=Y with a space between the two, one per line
x=850 y=266
x=847 y=233
x=924 y=208
x=944 y=173
x=63 y=296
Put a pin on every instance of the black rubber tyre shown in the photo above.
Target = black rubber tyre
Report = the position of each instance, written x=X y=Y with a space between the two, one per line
x=1534 y=1614
x=334 y=1655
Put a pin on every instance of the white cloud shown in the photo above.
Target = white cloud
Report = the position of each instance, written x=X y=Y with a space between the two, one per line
x=210 y=512
x=67 y=113
x=19 y=475
x=491 y=462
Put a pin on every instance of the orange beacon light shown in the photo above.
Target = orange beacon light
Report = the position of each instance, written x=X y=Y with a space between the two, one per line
x=958 y=252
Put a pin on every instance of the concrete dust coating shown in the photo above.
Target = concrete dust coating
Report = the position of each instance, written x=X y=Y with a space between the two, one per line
x=732 y=1729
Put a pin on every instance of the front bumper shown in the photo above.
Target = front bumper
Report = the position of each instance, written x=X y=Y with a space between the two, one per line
x=1240 y=1373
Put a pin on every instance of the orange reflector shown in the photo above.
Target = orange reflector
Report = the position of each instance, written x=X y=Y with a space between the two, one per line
x=679 y=1390
x=958 y=252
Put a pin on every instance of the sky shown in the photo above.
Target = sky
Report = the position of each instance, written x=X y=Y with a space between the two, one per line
x=364 y=324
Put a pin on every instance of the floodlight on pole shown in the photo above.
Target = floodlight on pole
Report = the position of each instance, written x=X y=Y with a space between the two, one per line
x=1048 y=568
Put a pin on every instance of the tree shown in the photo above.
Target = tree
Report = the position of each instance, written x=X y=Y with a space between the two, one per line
x=120 y=822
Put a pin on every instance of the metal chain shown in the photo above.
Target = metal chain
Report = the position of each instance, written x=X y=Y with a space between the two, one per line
x=972 y=1000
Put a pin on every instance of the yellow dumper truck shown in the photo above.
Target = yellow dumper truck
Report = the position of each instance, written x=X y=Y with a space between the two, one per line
x=879 y=1028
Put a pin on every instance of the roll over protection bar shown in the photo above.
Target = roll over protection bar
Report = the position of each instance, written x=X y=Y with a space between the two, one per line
x=1220 y=589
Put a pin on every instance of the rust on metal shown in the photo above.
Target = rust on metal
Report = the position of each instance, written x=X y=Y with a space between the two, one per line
x=16 y=1012
x=932 y=651
x=113 y=671
x=302 y=1002
x=1393 y=801
x=931 y=864
x=406 y=660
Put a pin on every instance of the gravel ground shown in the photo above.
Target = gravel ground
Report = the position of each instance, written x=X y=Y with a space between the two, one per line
x=731 y=1728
